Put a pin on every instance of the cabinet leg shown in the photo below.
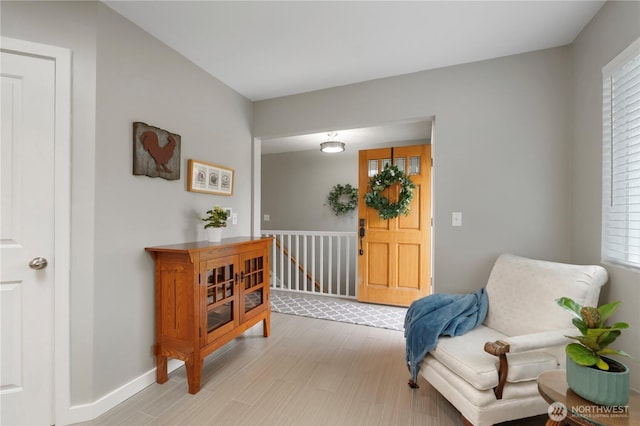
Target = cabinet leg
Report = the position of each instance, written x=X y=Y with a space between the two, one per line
x=194 y=374
x=266 y=326
x=161 y=369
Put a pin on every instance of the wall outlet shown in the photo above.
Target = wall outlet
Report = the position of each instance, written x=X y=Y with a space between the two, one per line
x=266 y=218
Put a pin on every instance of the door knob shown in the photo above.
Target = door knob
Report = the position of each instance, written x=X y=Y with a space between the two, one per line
x=38 y=263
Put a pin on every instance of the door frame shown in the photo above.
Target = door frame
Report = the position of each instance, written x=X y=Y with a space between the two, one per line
x=62 y=214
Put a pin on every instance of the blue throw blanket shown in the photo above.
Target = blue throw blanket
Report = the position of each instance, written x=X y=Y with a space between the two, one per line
x=440 y=315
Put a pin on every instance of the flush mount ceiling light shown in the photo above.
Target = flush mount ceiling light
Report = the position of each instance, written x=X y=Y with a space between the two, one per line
x=332 y=145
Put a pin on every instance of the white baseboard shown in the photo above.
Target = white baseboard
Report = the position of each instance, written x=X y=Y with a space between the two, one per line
x=86 y=412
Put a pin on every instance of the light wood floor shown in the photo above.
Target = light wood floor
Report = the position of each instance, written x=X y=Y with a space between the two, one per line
x=309 y=372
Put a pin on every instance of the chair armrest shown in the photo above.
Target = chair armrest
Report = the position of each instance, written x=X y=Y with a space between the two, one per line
x=523 y=343
x=545 y=339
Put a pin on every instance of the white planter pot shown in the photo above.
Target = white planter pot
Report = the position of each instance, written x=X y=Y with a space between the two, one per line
x=214 y=235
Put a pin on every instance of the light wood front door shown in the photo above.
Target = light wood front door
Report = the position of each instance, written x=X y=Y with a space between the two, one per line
x=394 y=262
x=27 y=140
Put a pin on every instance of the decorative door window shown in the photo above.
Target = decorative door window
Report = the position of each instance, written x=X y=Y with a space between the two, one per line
x=414 y=165
x=373 y=168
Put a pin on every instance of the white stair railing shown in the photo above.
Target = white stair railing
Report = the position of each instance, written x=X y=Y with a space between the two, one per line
x=314 y=262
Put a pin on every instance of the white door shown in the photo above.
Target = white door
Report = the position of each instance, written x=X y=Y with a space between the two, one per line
x=26 y=232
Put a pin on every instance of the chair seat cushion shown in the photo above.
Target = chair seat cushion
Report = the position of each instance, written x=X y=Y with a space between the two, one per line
x=465 y=356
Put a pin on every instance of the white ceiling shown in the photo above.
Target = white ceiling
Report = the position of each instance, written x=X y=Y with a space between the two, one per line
x=354 y=139
x=266 y=49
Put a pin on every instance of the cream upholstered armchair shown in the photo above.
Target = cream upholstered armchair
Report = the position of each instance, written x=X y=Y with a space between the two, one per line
x=489 y=374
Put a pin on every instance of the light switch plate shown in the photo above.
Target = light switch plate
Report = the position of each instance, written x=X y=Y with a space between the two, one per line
x=456 y=219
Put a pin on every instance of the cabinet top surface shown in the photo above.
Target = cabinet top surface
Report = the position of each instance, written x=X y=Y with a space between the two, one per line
x=205 y=245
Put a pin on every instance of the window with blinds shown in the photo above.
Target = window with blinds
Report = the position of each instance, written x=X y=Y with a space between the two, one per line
x=621 y=159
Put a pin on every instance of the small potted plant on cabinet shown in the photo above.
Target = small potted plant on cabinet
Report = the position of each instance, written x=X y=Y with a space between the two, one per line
x=590 y=373
x=215 y=220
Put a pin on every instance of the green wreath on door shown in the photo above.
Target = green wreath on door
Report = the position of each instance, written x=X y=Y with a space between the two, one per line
x=389 y=176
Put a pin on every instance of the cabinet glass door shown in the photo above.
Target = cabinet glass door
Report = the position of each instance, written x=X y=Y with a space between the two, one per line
x=253 y=282
x=220 y=292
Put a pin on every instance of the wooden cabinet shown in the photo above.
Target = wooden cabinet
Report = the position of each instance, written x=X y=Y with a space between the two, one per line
x=206 y=295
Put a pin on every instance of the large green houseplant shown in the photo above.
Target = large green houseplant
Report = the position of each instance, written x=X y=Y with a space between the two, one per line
x=590 y=373
x=215 y=220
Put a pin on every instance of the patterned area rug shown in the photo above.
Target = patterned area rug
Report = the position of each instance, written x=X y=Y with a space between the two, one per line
x=390 y=317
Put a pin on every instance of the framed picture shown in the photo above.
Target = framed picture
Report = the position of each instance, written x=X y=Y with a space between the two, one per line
x=209 y=178
x=156 y=152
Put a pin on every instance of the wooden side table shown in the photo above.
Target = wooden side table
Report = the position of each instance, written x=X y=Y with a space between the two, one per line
x=207 y=294
x=553 y=387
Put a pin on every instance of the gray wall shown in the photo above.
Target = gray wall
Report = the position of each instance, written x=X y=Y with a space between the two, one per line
x=501 y=149
x=141 y=79
x=295 y=186
x=122 y=75
x=610 y=32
